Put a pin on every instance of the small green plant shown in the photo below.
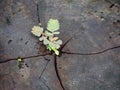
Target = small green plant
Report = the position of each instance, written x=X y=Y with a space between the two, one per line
x=48 y=36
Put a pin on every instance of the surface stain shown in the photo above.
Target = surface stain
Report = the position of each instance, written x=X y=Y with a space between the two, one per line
x=10 y=41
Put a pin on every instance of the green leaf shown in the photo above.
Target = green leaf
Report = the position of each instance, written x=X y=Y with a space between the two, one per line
x=37 y=31
x=55 y=50
x=45 y=41
x=41 y=38
x=56 y=32
x=48 y=33
x=52 y=46
x=53 y=39
x=48 y=47
x=59 y=42
x=57 y=46
x=48 y=37
x=53 y=25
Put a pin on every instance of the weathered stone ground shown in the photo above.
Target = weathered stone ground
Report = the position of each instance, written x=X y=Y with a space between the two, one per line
x=93 y=24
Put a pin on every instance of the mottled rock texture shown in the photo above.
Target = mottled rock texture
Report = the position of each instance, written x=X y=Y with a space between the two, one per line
x=94 y=26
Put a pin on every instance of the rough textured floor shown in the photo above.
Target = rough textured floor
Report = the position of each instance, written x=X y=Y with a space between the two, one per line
x=94 y=26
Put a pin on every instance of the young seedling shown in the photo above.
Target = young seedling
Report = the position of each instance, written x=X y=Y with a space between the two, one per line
x=48 y=36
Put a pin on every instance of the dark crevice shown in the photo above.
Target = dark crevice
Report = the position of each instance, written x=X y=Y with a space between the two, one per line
x=112 y=5
x=94 y=53
x=57 y=72
x=65 y=44
x=8 y=21
x=62 y=52
x=27 y=57
x=46 y=85
x=44 y=67
x=38 y=16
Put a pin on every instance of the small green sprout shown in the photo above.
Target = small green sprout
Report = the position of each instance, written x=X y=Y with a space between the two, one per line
x=48 y=37
x=20 y=62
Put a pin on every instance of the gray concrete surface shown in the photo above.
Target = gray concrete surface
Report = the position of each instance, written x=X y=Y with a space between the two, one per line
x=93 y=24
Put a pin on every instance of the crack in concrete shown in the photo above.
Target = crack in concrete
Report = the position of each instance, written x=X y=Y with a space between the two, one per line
x=44 y=67
x=46 y=85
x=55 y=58
x=93 y=53
x=57 y=72
x=38 y=16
